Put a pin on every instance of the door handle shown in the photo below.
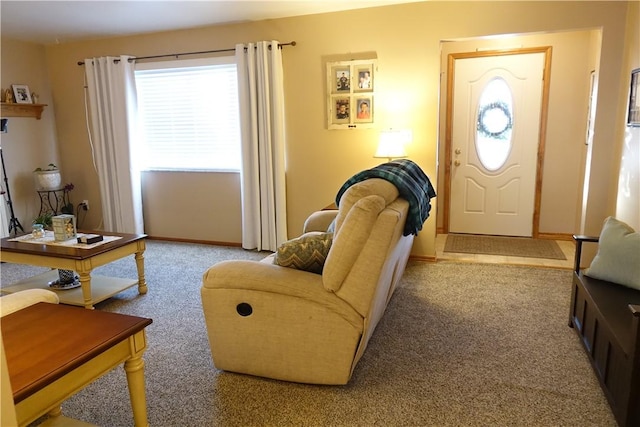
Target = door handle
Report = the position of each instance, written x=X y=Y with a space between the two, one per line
x=458 y=151
x=456 y=163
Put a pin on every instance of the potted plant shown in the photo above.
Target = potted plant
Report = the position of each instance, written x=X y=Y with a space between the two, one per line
x=47 y=178
x=45 y=219
x=67 y=206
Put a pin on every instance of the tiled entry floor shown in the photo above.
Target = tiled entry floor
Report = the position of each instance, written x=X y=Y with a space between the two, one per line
x=568 y=248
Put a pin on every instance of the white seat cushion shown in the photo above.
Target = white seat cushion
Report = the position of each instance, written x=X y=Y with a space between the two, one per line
x=19 y=300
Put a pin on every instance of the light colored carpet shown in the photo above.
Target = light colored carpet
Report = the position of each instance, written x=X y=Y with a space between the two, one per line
x=498 y=245
x=460 y=345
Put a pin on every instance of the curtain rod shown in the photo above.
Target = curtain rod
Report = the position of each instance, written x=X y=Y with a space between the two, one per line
x=293 y=43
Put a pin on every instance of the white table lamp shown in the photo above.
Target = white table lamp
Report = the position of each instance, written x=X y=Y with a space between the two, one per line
x=391 y=144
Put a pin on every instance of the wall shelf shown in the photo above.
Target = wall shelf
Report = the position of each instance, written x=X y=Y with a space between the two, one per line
x=22 y=110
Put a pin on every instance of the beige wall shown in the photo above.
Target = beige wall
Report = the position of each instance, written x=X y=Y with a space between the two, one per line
x=29 y=143
x=628 y=200
x=406 y=41
x=207 y=205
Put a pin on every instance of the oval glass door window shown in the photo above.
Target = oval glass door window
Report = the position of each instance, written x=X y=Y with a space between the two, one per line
x=494 y=124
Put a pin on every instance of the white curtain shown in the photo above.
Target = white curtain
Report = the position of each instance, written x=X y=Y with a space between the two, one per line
x=4 y=221
x=112 y=104
x=261 y=91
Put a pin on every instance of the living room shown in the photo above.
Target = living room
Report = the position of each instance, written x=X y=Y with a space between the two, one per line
x=329 y=157
x=582 y=184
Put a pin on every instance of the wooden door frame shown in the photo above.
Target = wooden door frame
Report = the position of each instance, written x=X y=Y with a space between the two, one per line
x=546 y=77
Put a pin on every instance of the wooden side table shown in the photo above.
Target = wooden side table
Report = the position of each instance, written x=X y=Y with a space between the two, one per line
x=53 y=351
x=93 y=288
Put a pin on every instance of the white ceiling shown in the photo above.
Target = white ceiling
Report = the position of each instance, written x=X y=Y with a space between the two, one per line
x=49 y=22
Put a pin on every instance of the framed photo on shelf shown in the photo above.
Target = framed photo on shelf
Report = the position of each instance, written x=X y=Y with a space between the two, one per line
x=21 y=94
x=350 y=89
x=633 y=116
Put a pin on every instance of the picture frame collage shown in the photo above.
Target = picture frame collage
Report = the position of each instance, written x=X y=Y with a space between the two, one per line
x=350 y=94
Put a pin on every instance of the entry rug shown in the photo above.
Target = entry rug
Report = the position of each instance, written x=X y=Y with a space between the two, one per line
x=508 y=246
x=48 y=239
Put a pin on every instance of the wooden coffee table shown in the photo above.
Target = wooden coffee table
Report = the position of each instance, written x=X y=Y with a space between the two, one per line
x=93 y=289
x=53 y=351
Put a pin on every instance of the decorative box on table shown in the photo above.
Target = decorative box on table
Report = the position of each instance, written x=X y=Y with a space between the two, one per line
x=64 y=227
x=89 y=239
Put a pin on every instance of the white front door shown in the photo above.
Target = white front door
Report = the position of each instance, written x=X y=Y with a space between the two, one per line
x=494 y=143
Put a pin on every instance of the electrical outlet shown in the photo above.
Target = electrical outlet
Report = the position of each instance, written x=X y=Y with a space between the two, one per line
x=85 y=203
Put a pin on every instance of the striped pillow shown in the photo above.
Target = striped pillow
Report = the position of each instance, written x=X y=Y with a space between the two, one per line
x=307 y=252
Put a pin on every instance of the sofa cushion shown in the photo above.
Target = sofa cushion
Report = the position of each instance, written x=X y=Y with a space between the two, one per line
x=17 y=301
x=307 y=252
x=350 y=239
x=618 y=257
x=353 y=194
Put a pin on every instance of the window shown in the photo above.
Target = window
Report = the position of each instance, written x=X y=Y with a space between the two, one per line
x=494 y=124
x=189 y=115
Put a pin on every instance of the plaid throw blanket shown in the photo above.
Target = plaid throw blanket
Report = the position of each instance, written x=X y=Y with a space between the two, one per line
x=412 y=183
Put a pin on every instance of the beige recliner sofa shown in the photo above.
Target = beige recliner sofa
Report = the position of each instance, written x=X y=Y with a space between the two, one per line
x=288 y=324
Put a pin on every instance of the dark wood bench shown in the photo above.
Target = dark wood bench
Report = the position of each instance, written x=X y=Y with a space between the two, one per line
x=606 y=317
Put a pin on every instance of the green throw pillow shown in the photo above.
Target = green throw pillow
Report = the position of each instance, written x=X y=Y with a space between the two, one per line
x=618 y=257
x=307 y=252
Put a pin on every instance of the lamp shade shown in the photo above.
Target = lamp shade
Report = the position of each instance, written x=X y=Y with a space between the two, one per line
x=391 y=144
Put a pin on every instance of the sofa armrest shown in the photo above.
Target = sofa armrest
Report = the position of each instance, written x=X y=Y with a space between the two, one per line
x=19 y=300
x=265 y=278
x=319 y=221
